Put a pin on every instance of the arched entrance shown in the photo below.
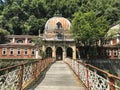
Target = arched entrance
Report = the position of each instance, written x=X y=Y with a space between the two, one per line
x=69 y=52
x=49 y=52
x=59 y=53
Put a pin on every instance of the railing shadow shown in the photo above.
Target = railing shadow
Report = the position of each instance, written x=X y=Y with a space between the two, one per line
x=19 y=77
x=39 y=79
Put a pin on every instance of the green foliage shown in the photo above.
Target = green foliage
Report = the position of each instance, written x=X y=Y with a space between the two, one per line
x=3 y=32
x=38 y=42
x=42 y=54
x=10 y=62
x=30 y=16
x=88 y=27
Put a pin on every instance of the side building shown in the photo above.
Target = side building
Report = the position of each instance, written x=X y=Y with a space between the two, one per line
x=18 y=46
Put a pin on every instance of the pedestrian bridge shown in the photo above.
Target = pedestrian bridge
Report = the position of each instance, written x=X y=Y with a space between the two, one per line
x=57 y=75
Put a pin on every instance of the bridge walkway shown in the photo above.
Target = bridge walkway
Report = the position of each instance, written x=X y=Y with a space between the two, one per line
x=59 y=77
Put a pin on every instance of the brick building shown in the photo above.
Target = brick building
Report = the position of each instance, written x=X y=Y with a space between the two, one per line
x=18 y=46
x=59 y=43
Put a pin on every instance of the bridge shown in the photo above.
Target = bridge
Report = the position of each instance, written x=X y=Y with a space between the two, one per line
x=56 y=75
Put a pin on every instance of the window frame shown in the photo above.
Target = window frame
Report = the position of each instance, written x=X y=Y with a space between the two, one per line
x=32 y=50
x=26 y=51
x=18 y=51
x=11 y=51
x=4 y=51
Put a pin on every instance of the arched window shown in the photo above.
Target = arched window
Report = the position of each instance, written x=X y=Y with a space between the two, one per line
x=59 y=36
x=69 y=52
x=19 y=41
x=59 y=25
x=31 y=41
x=49 y=52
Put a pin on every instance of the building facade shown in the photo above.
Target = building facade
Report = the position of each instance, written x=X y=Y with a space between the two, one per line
x=18 y=46
x=58 y=41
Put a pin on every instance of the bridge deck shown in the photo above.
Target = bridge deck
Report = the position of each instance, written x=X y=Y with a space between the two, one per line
x=59 y=77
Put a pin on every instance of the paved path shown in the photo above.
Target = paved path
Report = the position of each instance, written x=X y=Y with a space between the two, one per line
x=59 y=77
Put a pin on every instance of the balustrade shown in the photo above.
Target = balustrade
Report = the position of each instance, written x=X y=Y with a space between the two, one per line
x=18 y=77
x=92 y=77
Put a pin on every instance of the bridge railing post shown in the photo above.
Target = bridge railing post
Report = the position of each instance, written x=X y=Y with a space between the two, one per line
x=78 y=70
x=112 y=82
x=21 y=77
x=87 y=76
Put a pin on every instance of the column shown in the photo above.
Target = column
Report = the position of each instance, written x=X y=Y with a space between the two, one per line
x=74 y=52
x=43 y=47
x=26 y=40
x=13 y=40
x=37 y=54
x=54 y=52
x=64 y=53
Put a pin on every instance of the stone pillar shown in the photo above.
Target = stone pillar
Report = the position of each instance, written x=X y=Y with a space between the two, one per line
x=13 y=40
x=74 y=52
x=26 y=40
x=37 y=54
x=64 y=53
x=43 y=47
x=53 y=52
x=118 y=40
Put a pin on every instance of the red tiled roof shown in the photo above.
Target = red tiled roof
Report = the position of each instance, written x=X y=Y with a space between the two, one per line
x=17 y=45
x=21 y=36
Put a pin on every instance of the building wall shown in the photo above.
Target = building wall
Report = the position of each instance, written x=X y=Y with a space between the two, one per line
x=15 y=45
x=15 y=55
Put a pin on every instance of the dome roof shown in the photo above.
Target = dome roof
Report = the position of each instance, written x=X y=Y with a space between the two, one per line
x=114 y=30
x=57 y=22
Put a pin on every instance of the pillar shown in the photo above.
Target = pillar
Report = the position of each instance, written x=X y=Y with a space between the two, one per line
x=13 y=40
x=74 y=52
x=53 y=52
x=43 y=47
x=37 y=54
x=26 y=40
x=64 y=53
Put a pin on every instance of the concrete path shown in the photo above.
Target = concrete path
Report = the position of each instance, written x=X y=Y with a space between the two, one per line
x=59 y=77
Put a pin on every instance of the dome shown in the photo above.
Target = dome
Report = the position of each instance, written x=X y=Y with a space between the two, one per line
x=113 y=31
x=57 y=23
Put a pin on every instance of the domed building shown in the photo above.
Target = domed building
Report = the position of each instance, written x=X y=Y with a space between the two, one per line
x=58 y=41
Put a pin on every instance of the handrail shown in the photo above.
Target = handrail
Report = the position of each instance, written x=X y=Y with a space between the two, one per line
x=100 y=70
x=88 y=74
x=22 y=74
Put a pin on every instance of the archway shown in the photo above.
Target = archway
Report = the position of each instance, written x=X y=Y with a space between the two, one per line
x=49 y=52
x=69 y=52
x=59 y=53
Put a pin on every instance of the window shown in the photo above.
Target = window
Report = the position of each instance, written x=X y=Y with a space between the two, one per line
x=59 y=36
x=115 y=53
x=20 y=41
x=11 y=51
x=4 y=51
x=33 y=52
x=59 y=25
x=31 y=41
x=18 y=51
x=107 y=52
x=26 y=51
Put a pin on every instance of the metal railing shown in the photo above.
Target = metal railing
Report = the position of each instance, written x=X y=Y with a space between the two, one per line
x=94 y=78
x=18 y=77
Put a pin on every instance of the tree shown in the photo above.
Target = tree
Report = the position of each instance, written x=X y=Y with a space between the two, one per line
x=3 y=32
x=88 y=28
x=16 y=15
x=38 y=43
